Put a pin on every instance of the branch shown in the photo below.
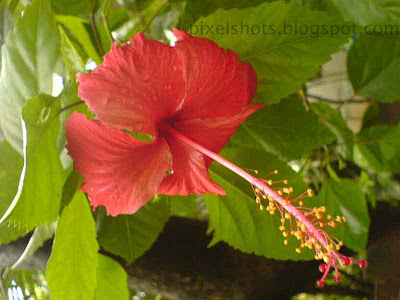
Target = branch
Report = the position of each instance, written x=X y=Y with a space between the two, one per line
x=340 y=102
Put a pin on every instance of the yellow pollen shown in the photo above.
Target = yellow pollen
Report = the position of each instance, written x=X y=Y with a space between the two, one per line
x=285 y=234
x=309 y=193
x=261 y=207
x=298 y=250
x=257 y=190
x=287 y=215
x=282 y=228
x=301 y=203
x=285 y=181
x=285 y=242
x=280 y=192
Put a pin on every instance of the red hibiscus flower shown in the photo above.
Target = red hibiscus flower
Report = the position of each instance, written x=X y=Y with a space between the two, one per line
x=196 y=88
x=191 y=98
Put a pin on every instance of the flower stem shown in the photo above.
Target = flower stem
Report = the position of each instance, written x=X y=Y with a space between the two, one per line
x=316 y=233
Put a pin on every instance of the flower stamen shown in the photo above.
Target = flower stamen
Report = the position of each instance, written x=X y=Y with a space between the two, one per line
x=305 y=224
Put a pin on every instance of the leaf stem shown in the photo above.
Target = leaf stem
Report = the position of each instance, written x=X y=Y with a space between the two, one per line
x=340 y=102
x=96 y=33
x=155 y=15
x=255 y=182
x=70 y=106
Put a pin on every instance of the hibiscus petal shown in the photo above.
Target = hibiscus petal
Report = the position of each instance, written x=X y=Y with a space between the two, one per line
x=213 y=134
x=119 y=171
x=217 y=84
x=136 y=86
x=190 y=174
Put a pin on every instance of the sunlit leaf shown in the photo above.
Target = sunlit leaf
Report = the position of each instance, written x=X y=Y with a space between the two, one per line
x=39 y=192
x=73 y=262
x=6 y=24
x=10 y=165
x=112 y=280
x=30 y=57
x=80 y=30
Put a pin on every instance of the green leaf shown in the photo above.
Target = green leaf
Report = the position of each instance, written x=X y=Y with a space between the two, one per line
x=6 y=24
x=39 y=193
x=39 y=237
x=370 y=12
x=372 y=115
x=129 y=236
x=30 y=55
x=154 y=16
x=73 y=56
x=345 y=198
x=112 y=280
x=104 y=33
x=74 y=259
x=379 y=148
x=74 y=63
x=236 y=218
x=184 y=206
x=167 y=18
x=314 y=4
x=10 y=171
x=71 y=185
x=78 y=29
x=196 y=9
x=373 y=65
x=332 y=119
x=285 y=129
x=266 y=37
x=73 y=7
